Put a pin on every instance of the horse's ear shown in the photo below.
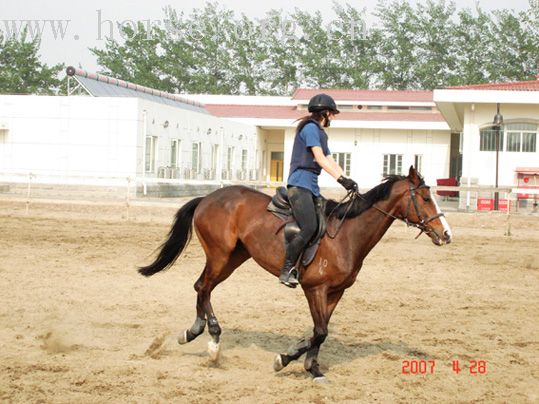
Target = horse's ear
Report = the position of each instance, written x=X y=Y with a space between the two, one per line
x=412 y=174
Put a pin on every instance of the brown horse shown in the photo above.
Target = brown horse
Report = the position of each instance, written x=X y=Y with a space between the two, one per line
x=233 y=225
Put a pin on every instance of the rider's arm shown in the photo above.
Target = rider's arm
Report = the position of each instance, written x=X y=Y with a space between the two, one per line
x=327 y=163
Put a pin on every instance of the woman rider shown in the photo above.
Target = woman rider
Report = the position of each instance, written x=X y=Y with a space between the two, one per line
x=310 y=155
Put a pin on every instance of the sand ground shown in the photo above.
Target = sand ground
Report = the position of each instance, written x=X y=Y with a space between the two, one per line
x=78 y=324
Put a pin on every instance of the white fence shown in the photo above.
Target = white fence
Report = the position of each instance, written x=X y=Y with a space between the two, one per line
x=29 y=187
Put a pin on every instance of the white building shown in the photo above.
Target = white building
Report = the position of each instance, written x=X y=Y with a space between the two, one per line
x=168 y=144
x=122 y=131
x=376 y=133
x=471 y=110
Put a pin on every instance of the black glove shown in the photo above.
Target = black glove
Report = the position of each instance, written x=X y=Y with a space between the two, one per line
x=348 y=183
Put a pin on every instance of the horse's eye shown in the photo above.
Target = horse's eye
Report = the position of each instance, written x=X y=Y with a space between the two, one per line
x=426 y=199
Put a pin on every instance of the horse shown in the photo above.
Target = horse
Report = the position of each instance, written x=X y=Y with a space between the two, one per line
x=233 y=225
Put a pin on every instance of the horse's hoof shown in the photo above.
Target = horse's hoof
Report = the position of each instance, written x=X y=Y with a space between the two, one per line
x=320 y=380
x=278 y=363
x=214 y=351
x=182 y=338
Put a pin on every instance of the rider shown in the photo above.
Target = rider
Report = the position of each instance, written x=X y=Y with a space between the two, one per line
x=310 y=155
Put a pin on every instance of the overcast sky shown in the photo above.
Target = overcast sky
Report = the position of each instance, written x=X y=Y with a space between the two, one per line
x=84 y=29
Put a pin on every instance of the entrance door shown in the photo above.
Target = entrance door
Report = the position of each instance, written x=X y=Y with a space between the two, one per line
x=455 y=157
x=276 y=168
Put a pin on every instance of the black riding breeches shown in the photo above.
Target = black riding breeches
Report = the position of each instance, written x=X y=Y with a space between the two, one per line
x=303 y=208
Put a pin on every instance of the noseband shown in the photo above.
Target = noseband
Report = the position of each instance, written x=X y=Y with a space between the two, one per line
x=423 y=223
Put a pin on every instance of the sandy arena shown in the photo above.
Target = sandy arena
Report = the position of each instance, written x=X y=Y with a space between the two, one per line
x=79 y=324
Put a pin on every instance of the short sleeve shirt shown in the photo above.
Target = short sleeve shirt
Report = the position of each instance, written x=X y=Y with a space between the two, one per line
x=310 y=135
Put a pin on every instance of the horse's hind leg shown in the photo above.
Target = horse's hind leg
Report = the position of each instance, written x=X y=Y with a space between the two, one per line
x=218 y=268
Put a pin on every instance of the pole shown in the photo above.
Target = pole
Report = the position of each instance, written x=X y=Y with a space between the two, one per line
x=496 y=194
x=498 y=122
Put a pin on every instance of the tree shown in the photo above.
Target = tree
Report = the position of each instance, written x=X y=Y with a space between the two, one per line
x=396 y=49
x=21 y=71
x=139 y=59
x=435 y=51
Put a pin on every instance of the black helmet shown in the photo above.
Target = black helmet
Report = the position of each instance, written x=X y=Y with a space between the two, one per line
x=323 y=102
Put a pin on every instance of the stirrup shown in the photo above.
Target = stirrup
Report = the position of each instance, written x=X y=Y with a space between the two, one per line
x=291 y=279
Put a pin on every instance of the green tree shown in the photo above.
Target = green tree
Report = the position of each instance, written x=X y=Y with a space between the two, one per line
x=139 y=59
x=355 y=47
x=435 y=51
x=21 y=71
x=396 y=49
x=472 y=35
x=514 y=53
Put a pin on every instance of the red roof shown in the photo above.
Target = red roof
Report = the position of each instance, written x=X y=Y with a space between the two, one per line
x=527 y=170
x=532 y=85
x=290 y=112
x=366 y=95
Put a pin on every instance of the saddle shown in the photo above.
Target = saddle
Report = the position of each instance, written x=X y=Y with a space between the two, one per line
x=280 y=207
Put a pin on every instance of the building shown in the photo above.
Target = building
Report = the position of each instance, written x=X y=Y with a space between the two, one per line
x=377 y=132
x=470 y=110
x=109 y=131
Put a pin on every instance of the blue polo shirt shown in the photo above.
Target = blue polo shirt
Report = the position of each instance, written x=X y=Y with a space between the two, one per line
x=304 y=170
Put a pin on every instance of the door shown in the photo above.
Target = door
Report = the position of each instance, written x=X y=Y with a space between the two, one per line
x=276 y=167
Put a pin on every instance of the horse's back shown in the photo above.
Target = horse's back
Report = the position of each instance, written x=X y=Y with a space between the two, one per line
x=232 y=203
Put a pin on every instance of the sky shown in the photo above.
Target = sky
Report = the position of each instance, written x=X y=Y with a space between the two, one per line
x=86 y=24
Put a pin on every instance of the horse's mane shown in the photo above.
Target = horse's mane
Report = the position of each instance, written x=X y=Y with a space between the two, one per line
x=359 y=205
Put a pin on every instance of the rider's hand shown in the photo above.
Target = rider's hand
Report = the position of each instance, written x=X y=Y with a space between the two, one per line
x=348 y=183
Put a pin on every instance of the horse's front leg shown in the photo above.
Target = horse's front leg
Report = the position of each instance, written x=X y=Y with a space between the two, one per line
x=311 y=359
x=317 y=299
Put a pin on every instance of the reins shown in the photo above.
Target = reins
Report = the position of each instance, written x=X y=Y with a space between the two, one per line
x=422 y=225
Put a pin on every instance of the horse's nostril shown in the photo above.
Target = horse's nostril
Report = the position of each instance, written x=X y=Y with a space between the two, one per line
x=447 y=235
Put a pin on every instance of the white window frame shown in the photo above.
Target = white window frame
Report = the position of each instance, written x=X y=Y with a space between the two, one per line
x=418 y=162
x=196 y=157
x=344 y=160
x=394 y=160
x=230 y=158
x=244 y=159
x=175 y=153
x=150 y=151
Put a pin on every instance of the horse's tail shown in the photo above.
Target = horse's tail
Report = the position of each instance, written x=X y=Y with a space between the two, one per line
x=178 y=238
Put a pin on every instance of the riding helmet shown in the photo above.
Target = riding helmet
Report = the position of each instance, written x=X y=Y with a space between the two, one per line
x=323 y=102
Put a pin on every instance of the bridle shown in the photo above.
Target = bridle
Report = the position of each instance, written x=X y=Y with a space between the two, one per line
x=422 y=225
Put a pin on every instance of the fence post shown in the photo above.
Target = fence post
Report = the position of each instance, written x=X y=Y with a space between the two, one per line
x=28 y=192
x=127 y=204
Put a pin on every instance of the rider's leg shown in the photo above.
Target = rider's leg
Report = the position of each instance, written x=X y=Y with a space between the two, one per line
x=303 y=208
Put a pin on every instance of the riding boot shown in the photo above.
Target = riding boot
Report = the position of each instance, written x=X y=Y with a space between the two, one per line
x=289 y=272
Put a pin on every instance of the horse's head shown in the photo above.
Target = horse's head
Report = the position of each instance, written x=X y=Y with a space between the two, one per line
x=418 y=208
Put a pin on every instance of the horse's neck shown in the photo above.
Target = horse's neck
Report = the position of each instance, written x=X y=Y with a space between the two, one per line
x=369 y=228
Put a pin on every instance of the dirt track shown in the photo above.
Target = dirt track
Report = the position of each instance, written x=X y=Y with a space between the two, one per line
x=78 y=324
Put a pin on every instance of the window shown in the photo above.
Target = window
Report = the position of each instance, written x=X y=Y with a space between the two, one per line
x=214 y=156
x=175 y=153
x=487 y=139
x=521 y=137
x=392 y=164
x=343 y=159
x=513 y=141
x=418 y=162
x=244 y=159
x=196 y=159
x=150 y=153
x=230 y=158
x=529 y=142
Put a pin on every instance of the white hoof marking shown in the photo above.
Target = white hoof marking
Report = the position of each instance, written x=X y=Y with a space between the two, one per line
x=321 y=380
x=182 y=338
x=278 y=363
x=214 y=350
